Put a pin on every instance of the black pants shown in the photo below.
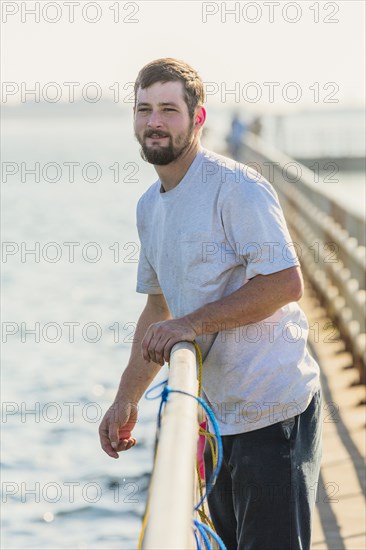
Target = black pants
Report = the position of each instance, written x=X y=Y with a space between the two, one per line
x=265 y=492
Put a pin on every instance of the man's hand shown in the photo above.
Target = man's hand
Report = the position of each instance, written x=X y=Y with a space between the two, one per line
x=116 y=427
x=161 y=337
x=120 y=419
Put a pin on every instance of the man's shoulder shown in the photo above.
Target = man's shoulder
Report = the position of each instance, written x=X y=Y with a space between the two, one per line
x=230 y=172
x=219 y=159
x=150 y=195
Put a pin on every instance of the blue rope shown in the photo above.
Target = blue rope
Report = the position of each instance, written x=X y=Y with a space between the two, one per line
x=216 y=471
x=154 y=388
x=197 y=541
x=202 y=528
x=206 y=540
x=164 y=398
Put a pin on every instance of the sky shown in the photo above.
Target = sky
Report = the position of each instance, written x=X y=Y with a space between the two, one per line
x=275 y=55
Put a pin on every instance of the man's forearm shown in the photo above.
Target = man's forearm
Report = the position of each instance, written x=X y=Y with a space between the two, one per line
x=253 y=302
x=138 y=374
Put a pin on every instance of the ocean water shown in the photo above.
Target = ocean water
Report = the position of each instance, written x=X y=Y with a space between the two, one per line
x=60 y=490
x=70 y=251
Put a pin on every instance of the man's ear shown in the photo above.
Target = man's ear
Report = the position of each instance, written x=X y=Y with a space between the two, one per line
x=200 y=117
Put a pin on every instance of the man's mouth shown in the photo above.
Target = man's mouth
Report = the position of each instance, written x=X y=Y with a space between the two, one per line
x=157 y=136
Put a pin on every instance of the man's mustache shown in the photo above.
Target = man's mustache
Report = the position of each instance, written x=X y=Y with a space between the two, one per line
x=155 y=133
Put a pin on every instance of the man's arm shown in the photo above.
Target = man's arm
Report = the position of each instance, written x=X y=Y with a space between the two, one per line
x=251 y=303
x=120 y=419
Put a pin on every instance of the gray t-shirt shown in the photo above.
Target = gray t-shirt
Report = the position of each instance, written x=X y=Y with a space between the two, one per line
x=218 y=228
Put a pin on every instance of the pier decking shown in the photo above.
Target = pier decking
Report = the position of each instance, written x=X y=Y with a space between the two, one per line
x=340 y=519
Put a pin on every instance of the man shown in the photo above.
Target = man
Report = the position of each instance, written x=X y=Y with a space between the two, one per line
x=217 y=267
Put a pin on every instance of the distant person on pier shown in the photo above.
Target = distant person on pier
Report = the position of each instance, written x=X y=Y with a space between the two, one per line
x=235 y=138
x=256 y=126
x=218 y=267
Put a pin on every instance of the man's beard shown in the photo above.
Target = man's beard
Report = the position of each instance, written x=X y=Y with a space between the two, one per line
x=164 y=155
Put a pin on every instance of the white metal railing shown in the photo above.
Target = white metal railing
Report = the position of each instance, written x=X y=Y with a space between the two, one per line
x=172 y=489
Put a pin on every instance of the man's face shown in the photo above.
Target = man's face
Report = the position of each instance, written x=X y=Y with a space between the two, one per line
x=162 y=124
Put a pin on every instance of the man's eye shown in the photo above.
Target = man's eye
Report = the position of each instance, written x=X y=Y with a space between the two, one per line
x=169 y=109
x=142 y=109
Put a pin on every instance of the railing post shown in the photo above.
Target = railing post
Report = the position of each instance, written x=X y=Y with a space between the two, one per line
x=172 y=487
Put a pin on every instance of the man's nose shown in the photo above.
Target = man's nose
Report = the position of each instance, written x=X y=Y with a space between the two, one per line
x=154 y=120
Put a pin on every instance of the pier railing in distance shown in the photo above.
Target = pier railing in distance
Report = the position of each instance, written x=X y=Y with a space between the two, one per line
x=330 y=242
x=172 y=490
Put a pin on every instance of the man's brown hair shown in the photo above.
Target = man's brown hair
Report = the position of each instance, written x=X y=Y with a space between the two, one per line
x=169 y=69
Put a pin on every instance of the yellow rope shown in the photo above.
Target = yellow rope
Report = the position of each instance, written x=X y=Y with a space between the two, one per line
x=201 y=512
x=199 y=354
x=210 y=438
x=143 y=527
